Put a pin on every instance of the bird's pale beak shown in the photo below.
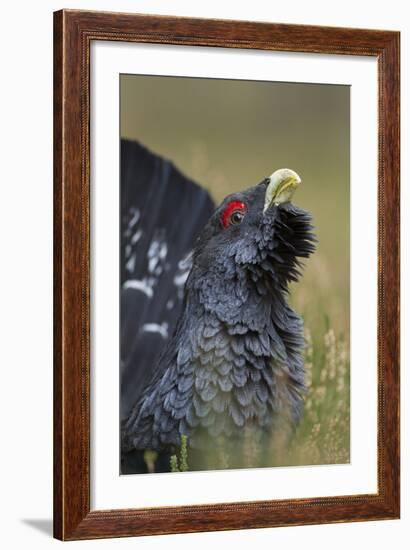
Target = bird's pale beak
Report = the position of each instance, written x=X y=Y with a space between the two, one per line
x=282 y=184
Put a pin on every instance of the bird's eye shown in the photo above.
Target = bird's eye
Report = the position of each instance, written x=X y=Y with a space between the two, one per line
x=234 y=213
x=236 y=217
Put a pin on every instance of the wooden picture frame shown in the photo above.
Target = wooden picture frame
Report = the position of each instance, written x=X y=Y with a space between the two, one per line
x=73 y=33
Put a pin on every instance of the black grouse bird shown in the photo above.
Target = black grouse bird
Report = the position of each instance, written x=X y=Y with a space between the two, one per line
x=235 y=360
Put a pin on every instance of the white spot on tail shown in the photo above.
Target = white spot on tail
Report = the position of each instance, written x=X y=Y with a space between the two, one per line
x=155 y=327
x=142 y=285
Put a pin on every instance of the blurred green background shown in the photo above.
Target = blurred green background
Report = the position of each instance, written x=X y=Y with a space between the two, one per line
x=230 y=134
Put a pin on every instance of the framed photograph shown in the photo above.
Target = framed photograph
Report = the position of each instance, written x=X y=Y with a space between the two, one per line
x=226 y=275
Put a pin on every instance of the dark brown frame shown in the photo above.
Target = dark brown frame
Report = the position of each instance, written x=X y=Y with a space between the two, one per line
x=73 y=33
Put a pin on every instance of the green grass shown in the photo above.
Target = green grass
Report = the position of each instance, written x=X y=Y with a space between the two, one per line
x=180 y=464
x=323 y=435
x=322 y=298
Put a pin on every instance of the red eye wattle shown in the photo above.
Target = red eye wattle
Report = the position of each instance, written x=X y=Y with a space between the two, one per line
x=233 y=213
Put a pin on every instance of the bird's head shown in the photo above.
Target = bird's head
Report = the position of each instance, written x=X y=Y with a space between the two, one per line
x=259 y=232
